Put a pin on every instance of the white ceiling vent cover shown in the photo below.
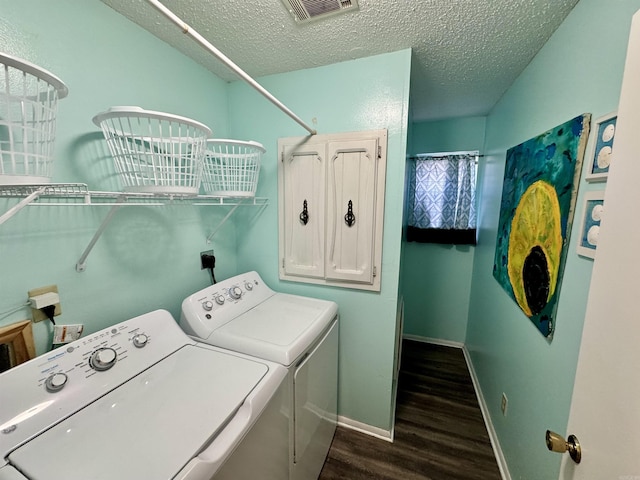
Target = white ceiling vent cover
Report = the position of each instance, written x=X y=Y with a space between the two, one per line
x=307 y=10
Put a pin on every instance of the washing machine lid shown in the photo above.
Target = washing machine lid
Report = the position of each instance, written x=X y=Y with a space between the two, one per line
x=149 y=427
x=9 y=473
x=279 y=329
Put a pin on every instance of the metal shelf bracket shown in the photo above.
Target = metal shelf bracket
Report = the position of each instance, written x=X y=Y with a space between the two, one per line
x=253 y=202
x=81 y=265
x=23 y=203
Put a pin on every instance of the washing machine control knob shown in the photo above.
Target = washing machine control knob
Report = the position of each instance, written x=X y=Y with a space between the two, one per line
x=248 y=286
x=103 y=359
x=56 y=382
x=220 y=299
x=207 y=305
x=140 y=340
x=235 y=292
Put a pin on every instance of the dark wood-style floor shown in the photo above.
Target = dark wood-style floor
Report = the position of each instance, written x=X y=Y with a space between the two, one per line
x=439 y=433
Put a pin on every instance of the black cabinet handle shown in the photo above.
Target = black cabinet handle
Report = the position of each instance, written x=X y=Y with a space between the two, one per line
x=350 y=218
x=304 y=215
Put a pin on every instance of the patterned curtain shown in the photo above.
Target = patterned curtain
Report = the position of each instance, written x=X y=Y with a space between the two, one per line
x=442 y=199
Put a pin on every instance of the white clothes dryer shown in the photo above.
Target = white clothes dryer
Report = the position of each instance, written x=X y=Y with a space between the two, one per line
x=244 y=315
x=141 y=400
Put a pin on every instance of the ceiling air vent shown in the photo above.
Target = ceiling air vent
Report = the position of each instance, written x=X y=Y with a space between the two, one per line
x=307 y=10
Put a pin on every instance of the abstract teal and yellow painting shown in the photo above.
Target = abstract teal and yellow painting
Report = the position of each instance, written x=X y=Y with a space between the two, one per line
x=538 y=200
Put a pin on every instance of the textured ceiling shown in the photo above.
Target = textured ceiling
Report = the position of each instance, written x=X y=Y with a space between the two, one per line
x=466 y=53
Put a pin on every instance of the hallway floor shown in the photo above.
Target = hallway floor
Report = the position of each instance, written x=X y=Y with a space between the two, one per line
x=439 y=433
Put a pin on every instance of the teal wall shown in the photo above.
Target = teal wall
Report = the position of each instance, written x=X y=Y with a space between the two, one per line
x=451 y=135
x=149 y=257
x=366 y=94
x=437 y=278
x=579 y=70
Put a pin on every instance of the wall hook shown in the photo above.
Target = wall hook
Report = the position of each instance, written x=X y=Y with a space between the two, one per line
x=350 y=218
x=304 y=215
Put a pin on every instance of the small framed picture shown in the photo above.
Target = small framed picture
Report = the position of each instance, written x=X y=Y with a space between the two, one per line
x=591 y=218
x=600 y=157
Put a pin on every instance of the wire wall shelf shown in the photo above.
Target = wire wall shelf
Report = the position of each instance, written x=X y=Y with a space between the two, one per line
x=78 y=194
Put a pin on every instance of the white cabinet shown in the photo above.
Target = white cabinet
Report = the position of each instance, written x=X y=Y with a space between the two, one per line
x=331 y=206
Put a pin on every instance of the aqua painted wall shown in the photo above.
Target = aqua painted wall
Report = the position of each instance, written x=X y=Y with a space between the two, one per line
x=437 y=278
x=148 y=257
x=451 y=135
x=366 y=94
x=579 y=70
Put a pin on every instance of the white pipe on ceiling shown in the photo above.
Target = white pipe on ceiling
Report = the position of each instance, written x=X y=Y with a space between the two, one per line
x=186 y=29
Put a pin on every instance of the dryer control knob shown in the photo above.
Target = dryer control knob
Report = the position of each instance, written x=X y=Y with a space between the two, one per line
x=207 y=305
x=248 y=286
x=220 y=299
x=56 y=382
x=140 y=340
x=235 y=292
x=103 y=359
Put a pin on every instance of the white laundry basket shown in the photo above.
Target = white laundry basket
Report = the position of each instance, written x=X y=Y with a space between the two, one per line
x=154 y=152
x=28 y=106
x=231 y=167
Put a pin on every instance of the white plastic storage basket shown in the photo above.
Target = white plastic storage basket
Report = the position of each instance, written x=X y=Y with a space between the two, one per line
x=231 y=168
x=28 y=105
x=154 y=152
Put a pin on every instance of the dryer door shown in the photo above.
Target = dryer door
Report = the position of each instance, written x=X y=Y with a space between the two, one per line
x=316 y=406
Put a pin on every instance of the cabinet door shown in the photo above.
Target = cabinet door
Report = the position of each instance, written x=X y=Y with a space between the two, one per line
x=303 y=193
x=351 y=210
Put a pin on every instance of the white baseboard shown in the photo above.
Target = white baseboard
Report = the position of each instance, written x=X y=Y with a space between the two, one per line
x=364 y=428
x=435 y=341
x=495 y=444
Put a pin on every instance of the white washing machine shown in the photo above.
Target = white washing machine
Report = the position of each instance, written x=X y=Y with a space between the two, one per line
x=244 y=315
x=141 y=400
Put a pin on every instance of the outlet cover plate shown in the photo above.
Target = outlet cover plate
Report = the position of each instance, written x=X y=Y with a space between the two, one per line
x=38 y=316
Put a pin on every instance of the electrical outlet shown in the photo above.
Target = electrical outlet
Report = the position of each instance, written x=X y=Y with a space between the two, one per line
x=504 y=401
x=207 y=260
x=38 y=315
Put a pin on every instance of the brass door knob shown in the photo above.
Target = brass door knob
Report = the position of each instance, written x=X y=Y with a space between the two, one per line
x=557 y=443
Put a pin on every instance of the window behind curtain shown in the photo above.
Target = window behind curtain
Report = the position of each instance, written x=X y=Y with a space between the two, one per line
x=442 y=196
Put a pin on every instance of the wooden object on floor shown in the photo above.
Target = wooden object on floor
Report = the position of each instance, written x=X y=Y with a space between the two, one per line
x=19 y=339
x=439 y=433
